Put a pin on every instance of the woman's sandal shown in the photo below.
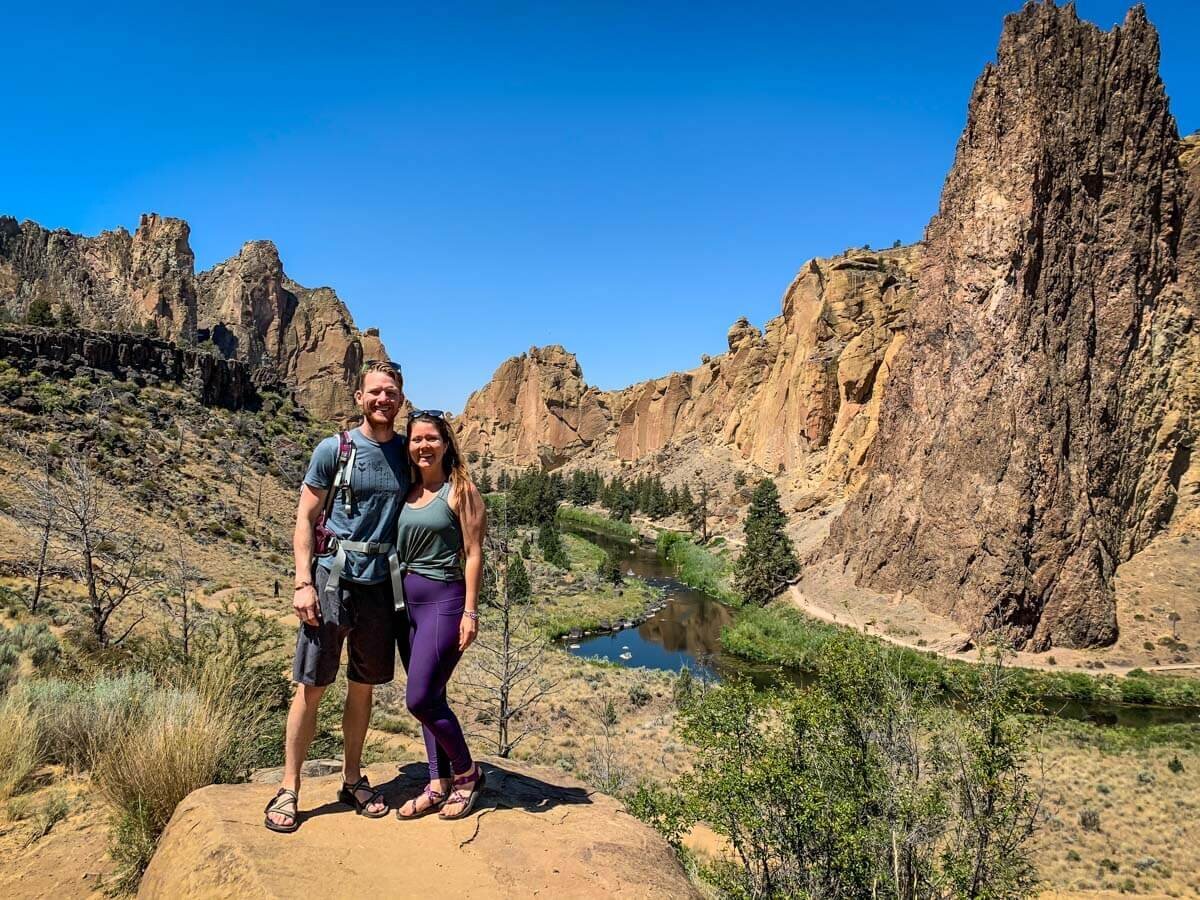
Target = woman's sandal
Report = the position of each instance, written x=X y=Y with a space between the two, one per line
x=436 y=801
x=349 y=795
x=277 y=805
x=467 y=799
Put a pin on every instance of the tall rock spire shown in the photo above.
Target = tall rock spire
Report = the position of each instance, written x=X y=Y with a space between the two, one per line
x=1032 y=427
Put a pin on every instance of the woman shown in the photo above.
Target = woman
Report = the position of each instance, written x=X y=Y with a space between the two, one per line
x=439 y=541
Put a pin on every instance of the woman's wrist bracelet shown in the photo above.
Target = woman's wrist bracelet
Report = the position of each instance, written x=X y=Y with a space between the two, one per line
x=471 y=614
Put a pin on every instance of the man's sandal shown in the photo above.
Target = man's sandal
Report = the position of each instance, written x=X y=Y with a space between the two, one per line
x=467 y=799
x=349 y=795
x=277 y=805
x=436 y=801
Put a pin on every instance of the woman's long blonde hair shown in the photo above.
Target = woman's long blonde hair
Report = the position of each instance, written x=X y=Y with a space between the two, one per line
x=454 y=467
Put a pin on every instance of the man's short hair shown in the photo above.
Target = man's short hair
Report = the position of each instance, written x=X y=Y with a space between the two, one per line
x=383 y=367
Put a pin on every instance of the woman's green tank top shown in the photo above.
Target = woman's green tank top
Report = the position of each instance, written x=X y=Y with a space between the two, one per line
x=429 y=539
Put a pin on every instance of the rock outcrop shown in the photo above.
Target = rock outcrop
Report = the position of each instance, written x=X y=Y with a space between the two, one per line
x=247 y=307
x=112 y=281
x=536 y=833
x=76 y=352
x=807 y=383
x=1042 y=409
x=535 y=410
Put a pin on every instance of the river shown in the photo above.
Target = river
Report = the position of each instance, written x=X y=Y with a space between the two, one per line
x=686 y=631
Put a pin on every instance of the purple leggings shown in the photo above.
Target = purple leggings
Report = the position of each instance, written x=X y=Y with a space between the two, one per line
x=429 y=650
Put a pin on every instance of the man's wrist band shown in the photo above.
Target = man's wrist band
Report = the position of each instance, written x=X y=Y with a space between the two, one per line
x=304 y=584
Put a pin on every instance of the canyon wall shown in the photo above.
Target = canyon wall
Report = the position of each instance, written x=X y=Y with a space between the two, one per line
x=1039 y=414
x=808 y=382
x=247 y=307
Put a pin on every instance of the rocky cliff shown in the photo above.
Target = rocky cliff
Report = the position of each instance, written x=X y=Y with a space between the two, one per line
x=1041 y=412
x=247 y=306
x=808 y=384
x=68 y=353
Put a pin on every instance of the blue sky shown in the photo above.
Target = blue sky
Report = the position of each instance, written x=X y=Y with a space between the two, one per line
x=623 y=179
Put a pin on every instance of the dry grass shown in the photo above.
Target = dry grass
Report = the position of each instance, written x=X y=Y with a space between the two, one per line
x=182 y=741
x=1121 y=821
x=20 y=742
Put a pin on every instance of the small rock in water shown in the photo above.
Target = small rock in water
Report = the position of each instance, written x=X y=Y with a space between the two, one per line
x=573 y=646
x=626 y=656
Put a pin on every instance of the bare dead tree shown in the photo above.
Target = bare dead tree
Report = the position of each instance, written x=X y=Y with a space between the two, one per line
x=184 y=579
x=37 y=509
x=112 y=564
x=505 y=676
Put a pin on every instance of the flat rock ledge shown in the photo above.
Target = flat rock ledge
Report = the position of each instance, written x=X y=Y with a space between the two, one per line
x=534 y=833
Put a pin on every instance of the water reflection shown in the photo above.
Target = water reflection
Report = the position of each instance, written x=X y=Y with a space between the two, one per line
x=687 y=632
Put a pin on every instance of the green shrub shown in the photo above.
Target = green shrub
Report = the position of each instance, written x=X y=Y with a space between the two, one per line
x=856 y=786
x=80 y=721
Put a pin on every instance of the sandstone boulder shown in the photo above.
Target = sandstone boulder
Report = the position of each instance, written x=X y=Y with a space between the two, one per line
x=536 y=833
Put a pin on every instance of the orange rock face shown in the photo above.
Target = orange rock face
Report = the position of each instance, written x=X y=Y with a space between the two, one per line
x=809 y=383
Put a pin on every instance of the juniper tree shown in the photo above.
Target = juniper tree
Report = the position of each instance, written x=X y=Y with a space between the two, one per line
x=768 y=561
x=67 y=317
x=518 y=586
x=550 y=543
x=609 y=569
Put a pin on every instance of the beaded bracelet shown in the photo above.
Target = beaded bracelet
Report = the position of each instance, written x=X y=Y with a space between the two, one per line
x=471 y=614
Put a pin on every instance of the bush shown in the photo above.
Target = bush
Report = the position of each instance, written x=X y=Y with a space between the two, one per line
x=81 y=721
x=856 y=787
x=20 y=742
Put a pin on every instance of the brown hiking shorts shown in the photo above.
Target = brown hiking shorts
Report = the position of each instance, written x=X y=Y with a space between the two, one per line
x=360 y=616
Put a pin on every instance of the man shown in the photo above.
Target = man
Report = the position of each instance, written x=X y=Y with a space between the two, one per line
x=347 y=597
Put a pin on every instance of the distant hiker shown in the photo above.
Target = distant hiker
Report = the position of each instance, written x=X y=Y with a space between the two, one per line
x=440 y=544
x=276 y=587
x=346 y=520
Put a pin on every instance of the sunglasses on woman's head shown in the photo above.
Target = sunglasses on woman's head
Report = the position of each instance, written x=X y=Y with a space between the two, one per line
x=432 y=413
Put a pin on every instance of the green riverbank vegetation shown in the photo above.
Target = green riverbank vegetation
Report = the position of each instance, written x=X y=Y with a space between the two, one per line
x=860 y=785
x=574 y=516
x=699 y=567
x=780 y=634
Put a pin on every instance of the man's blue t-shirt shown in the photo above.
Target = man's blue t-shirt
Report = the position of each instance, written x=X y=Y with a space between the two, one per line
x=379 y=484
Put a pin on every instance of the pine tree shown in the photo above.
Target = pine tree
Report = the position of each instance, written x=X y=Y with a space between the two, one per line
x=551 y=546
x=609 y=569
x=769 y=560
x=697 y=515
x=685 y=505
x=485 y=482
x=40 y=313
x=519 y=589
x=67 y=317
